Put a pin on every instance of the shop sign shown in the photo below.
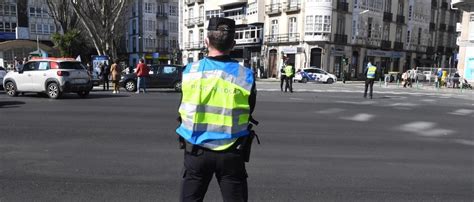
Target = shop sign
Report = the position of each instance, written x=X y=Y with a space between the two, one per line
x=385 y=54
x=337 y=53
x=290 y=50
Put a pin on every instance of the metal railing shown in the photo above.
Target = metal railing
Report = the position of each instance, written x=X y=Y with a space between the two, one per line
x=292 y=7
x=273 y=9
x=386 y=44
x=343 y=6
x=398 y=46
x=283 y=38
x=387 y=17
x=340 y=39
x=400 y=19
x=161 y=32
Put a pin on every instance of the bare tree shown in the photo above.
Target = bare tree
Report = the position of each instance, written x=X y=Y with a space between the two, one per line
x=99 y=18
x=63 y=14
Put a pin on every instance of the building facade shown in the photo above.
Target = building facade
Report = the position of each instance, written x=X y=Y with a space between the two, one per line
x=24 y=20
x=342 y=36
x=249 y=18
x=153 y=31
x=466 y=38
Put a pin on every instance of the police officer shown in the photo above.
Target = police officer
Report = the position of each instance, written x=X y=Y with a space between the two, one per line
x=218 y=98
x=370 y=73
x=282 y=74
x=290 y=73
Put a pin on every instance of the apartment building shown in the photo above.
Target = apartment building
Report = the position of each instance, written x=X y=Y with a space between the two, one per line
x=153 y=31
x=466 y=38
x=249 y=18
x=342 y=36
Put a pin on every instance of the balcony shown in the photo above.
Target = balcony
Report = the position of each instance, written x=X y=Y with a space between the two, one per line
x=273 y=9
x=444 y=5
x=400 y=19
x=162 y=32
x=223 y=3
x=190 y=2
x=451 y=29
x=432 y=26
x=430 y=50
x=398 y=46
x=292 y=7
x=194 y=46
x=199 y=1
x=248 y=41
x=440 y=50
x=189 y=22
x=387 y=17
x=465 y=5
x=386 y=45
x=442 y=27
x=342 y=6
x=283 y=38
x=340 y=39
x=161 y=15
x=199 y=21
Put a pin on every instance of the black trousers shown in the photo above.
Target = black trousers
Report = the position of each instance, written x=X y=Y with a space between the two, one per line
x=227 y=166
x=282 y=80
x=289 y=83
x=369 y=83
x=106 y=83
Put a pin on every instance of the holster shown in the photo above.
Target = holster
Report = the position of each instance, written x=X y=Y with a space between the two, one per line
x=245 y=143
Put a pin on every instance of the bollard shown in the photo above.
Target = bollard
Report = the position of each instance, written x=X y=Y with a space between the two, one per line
x=417 y=86
x=380 y=82
x=398 y=83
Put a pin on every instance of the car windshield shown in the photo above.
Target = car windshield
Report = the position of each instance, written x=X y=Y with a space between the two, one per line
x=1 y=68
x=71 y=65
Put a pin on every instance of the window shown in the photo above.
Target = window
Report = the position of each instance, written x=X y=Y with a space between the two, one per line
x=169 y=69
x=191 y=13
x=32 y=12
x=190 y=36
x=398 y=37
x=38 y=12
x=201 y=11
x=213 y=13
x=408 y=36
x=1 y=27
x=327 y=23
x=13 y=10
x=1 y=9
x=410 y=12
x=318 y=23
x=43 y=66
x=309 y=23
x=388 y=6
x=33 y=28
x=292 y=26
x=274 y=29
x=31 y=66
x=7 y=27
x=149 y=7
x=201 y=37
x=173 y=10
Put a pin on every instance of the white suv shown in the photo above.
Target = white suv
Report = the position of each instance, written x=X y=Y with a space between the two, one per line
x=53 y=76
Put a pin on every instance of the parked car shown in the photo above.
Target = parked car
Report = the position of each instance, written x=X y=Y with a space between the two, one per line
x=3 y=72
x=419 y=75
x=161 y=76
x=53 y=76
x=429 y=75
x=314 y=74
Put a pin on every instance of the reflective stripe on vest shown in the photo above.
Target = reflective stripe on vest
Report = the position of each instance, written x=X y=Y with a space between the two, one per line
x=289 y=70
x=214 y=108
x=371 y=72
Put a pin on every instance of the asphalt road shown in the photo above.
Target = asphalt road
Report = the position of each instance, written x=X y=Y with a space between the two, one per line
x=321 y=143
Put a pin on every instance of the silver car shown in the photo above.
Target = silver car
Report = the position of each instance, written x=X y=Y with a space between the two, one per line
x=3 y=72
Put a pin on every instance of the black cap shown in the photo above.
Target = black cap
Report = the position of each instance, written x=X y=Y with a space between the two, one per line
x=216 y=21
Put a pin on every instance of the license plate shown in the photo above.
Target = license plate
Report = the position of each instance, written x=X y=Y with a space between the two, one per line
x=79 y=81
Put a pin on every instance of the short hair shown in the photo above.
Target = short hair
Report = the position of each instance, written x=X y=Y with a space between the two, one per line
x=141 y=60
x=221 y=39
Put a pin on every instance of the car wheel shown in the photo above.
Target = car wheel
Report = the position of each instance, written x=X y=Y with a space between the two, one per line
x=83 y=94
x=53 y=91
x=177 y=86
x=10 y=89
x=304 y=80
x=130 y=86
x=329 y=81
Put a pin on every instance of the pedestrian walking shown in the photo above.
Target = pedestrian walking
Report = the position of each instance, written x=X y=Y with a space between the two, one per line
x=142 y=72
x=439 y=77
x=116 y=70
x=104 y=73
x=405 y=79
x=216 y=90
x=370 y=73
x=283 y=74
x=290 y=73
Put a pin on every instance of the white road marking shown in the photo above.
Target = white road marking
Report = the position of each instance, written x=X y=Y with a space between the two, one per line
x=362 y=117
x=403 y=104
x=426 y=129
x=428 y=100
x=357 y=103
x=466 y=142
x=462 y=112
x=294 y=98
x=330 y=111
